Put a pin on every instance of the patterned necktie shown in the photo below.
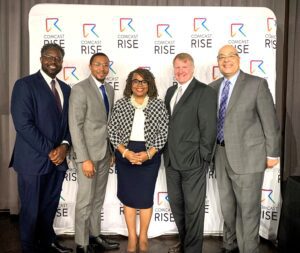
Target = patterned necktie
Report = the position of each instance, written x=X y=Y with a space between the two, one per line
x=105 y=99
x=56 y=95
x=222 y=111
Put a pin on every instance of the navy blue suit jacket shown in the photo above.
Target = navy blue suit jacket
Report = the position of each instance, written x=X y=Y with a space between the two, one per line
x=39 y=125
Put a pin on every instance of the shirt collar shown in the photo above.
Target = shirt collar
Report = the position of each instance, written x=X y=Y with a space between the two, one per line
x=98 y=83
x=47 y=78
x=185 y=85
x=233 y=78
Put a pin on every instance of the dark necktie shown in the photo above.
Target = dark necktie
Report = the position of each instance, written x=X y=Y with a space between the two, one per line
x=222 y=111
x=56 y=95
x=105 y=99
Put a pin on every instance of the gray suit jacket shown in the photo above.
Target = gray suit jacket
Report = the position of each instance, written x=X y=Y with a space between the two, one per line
x=251 y=129
x=192 y=127
x=88 y=120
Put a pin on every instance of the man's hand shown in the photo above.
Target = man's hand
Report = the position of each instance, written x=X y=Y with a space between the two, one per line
x=272 y=162
x=112 y=161
x=88 y=168
x=58 y=155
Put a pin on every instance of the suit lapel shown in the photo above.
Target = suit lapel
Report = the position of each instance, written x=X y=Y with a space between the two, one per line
x=96 y=90
x=184 y=97
x=169 y=96
x=42 y=82
x=236 y=91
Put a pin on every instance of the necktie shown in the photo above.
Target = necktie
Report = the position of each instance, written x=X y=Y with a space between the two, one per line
x=56 y=95
x=105 y=99
x=222 y=111
x=179 y=94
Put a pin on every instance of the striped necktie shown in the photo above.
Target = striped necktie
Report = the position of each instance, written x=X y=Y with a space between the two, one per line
x=222 y=111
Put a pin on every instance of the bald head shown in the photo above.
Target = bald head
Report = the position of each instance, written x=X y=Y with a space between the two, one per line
x=228 y=61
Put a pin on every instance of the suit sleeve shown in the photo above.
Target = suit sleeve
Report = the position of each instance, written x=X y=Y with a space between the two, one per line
x=114 y=126
x=77 y=114
x=207 y=115
x=267 y=115
x=162 y=119
x=23 y=114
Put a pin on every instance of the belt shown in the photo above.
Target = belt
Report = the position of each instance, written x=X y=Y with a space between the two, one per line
x=221 y=143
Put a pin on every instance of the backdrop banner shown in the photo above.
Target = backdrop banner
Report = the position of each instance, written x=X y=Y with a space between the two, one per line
x=149 y=37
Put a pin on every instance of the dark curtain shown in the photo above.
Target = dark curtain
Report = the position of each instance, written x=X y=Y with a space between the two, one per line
x=14 y=58
x=291 y=94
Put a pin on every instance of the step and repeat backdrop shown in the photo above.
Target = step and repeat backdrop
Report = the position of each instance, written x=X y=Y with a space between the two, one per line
x=150 y=37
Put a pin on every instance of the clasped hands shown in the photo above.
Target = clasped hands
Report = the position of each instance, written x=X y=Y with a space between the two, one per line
x=136 y=158
x=58 y=154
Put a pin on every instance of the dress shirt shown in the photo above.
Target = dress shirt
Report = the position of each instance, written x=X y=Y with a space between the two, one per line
x=138 y=126
x=184 y=87
x=98 y=83
x=231 y=86
x=48 y=80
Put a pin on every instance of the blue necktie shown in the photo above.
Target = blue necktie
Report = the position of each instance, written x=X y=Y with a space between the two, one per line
x=222 y=111
x=105 y=99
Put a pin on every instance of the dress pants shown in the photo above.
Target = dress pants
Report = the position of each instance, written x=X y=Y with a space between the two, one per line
x=240 y=197
x=90 y=198
x=187 y=191
x=39 y=195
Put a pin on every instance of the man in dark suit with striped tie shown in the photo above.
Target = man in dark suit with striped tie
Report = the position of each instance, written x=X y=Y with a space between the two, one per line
x=39 y=108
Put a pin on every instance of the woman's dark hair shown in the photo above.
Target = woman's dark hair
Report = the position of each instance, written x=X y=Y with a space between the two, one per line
x=148 y=76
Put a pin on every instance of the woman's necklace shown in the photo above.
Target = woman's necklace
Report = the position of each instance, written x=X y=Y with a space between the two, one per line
x=137 y=105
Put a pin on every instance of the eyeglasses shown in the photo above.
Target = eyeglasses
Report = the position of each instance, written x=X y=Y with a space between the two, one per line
x=137 y=82
x=52 y=58
x=223 y=57
x=98 y=64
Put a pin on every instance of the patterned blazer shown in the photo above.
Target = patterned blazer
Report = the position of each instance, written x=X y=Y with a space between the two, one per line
x=156 y=123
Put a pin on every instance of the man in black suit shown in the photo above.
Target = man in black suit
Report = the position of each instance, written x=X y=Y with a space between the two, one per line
x=39 y=108
x=192 y=132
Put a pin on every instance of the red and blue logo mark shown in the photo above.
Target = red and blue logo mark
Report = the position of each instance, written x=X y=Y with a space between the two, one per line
x=52 y=23
x=163 y=30
x=162 y=198
x=200 y=23
x=88 y=30
x=126 y=24
x=69 y=72
x=237 y=28
x=256 y=65
x=267 y=194
x=271 y=24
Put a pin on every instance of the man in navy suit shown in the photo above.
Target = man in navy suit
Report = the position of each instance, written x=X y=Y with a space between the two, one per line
x=39 y=108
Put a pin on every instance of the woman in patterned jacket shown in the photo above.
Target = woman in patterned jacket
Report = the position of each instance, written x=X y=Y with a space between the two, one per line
x=138 y=131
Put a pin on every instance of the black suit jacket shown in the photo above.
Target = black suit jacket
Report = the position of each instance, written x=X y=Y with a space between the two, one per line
x=39 y=125
x=192 y=127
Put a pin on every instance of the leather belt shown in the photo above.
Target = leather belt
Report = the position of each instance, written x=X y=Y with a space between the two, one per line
x=221 y=143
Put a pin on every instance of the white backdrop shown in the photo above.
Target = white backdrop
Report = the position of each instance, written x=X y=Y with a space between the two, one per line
x=150 y=37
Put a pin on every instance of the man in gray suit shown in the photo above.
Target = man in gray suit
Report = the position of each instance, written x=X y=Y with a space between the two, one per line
x=191 y=137
x=248 y=141
x=90 y=105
